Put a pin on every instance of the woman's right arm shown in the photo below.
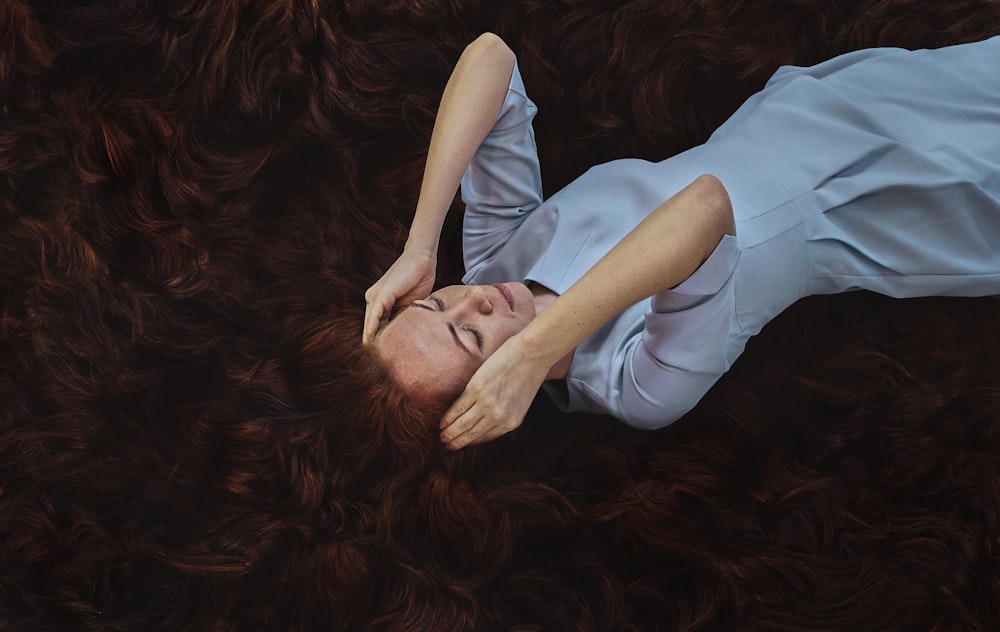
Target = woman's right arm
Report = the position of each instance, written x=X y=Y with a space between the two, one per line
x=660 y=253
x=469 y=107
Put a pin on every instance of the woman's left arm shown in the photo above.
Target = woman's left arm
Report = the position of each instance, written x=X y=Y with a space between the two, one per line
x=469 y=106
x=659 y=253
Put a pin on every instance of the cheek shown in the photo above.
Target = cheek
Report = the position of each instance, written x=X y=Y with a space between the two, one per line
x=509 y=327
x=456 y=379
x=443 y=382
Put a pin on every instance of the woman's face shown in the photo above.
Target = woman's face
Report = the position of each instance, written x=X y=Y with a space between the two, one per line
x=438 y=342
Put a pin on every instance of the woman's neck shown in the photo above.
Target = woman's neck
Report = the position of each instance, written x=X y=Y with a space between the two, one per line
x=544 y=297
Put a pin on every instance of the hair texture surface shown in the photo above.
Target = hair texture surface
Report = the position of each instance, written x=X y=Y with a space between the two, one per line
x=194 y=196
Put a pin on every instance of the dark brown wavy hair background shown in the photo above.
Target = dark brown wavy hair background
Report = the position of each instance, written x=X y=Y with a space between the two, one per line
x=194 y=197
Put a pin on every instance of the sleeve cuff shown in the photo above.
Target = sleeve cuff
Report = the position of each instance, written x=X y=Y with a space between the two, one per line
x=713 y=272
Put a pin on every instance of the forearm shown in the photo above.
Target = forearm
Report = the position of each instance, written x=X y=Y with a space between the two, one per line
x=469 y=108
x=659 y=253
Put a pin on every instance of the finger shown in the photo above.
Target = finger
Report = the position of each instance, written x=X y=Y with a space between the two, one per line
x=461 y=406
x=474 y=433
x=493 y=433
x=373 y=315
x=462 y=426
x=375 y=312
x=468 y=437
x=406 y=299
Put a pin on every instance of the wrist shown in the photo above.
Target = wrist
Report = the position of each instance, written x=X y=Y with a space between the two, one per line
x=428 y=219
x=535 y=347
x=421 y=246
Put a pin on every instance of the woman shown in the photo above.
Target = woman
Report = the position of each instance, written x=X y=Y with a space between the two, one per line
x=635 y=288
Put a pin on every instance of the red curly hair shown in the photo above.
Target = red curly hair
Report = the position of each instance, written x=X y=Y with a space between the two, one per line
x=193 y=196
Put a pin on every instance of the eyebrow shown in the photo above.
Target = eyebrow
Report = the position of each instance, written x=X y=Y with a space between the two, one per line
x=451 y=328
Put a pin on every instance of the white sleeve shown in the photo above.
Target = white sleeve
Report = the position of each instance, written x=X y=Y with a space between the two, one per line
x=502 y=183
x=682 y=350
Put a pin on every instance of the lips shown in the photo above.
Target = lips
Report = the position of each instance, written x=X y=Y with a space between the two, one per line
x=503 y=289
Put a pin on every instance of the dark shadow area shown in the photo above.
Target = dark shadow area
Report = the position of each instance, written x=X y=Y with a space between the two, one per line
x=194 y=196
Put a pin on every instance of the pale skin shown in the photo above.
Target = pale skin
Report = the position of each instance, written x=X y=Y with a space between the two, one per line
x=659 y=253
x=434 y=345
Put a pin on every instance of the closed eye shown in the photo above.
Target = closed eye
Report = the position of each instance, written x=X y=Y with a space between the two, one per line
x=469 y=328
x=475 y=332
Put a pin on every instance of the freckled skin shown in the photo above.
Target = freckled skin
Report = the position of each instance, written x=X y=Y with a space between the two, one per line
x=421 y=351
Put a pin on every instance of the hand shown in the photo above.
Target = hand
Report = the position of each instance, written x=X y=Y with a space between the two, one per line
x=496 y=398
x=409 y=279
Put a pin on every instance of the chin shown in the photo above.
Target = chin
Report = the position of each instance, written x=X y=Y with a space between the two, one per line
x=522 y=297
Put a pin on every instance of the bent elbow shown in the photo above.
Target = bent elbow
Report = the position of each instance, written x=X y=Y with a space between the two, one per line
x=655 y=399
x=651 y=417
x=491 y=45
x=718 y=207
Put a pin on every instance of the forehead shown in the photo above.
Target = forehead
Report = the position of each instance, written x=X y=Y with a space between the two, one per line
x=419 y=339
x=417 y=328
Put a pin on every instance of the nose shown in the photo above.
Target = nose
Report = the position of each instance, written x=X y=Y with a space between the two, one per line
x=478 y=300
